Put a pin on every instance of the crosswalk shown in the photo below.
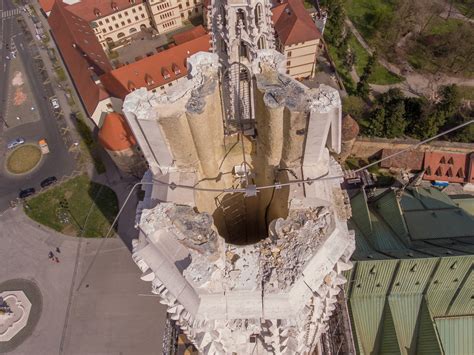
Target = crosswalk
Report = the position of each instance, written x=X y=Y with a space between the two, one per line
x=10 y=13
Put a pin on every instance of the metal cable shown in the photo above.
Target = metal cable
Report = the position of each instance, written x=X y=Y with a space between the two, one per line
x=323 y=177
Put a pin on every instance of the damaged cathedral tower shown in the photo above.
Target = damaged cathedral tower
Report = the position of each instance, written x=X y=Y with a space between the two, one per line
x=243 y=228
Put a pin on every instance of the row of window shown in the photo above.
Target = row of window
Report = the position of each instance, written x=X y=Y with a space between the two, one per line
x=169 y=24
x=163 y=6
x=166 y=15
x=107 y=19
x=122 y=23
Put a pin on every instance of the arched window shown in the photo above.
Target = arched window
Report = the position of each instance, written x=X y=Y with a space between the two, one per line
x=223 y=15
x=261 y=43
x=132 y=30
x=258 y=14
x=143 y=27
x=241 y=17
x=108 y=39
x=244 y=50
x=120 y=35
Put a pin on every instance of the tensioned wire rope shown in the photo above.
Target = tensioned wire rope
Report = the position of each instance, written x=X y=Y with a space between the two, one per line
x=324 y=177
x=172 y=185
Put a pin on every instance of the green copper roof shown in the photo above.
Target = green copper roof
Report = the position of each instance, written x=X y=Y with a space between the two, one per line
x=446 y=282
x=399 y=300
x=360 y=213
x=367 y=314
x=389 y=343
x=405 y=309
x=456 y=335
x=423 y=222
x=466 y=202
x=464 y=301
x=427 y=341
x=387 y=206
x=440 y=223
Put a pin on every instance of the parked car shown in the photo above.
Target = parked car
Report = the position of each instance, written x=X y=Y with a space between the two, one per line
x=44 y=146
x=55 y=103
x=48 y=181
x=26 y=192
x=15 y=142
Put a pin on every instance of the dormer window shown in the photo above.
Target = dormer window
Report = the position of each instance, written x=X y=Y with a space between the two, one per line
x=165 y=73
x=114 y=6
x=149 y=80
x=97 y=12
x=131 y=86
x=175 y=69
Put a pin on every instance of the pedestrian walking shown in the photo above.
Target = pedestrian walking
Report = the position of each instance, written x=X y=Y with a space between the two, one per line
x=50 y=255
x=58 y=250
x=56 y=259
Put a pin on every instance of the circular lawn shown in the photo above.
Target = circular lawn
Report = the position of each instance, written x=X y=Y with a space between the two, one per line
x=23 y=159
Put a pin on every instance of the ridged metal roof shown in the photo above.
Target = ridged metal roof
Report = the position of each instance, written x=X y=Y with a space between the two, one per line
x=380 y=225
x=464 y=301
x=411 y=292
x=446 y=281
x=367 y=314
x=456 y=335
x=389 y=345
x=405 y=310
x=427 y=340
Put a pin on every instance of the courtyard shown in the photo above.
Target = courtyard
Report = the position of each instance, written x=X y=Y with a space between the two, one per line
x=146 y=43
x=91 y=302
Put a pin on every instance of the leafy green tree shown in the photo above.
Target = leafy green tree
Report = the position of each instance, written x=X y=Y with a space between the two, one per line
x=395 y=122
x=335 y=28
x=354 y=106
x=466 y=134
x=363 y=88
x=450 y=100
x=427 y=126
x=376 y=123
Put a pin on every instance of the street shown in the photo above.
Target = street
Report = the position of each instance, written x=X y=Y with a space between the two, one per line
x=59 y=162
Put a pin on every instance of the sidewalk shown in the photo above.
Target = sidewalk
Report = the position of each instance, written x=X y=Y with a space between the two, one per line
x=59 y=88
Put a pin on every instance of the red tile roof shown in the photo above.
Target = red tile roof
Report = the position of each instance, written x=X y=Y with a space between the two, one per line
x=115 y=134
x=154 y=71
x=293 y=24
x=81 y=51
x=410 y=160
x=189 y=35
x=91 y=10
x=46 y=5
x=451 y=167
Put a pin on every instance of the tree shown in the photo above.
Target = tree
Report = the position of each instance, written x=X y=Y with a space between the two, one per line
x=376 y=123
x=363 y=88
x=354 y=106
x=450 y=100
x=465 y=134
x=335 y=29
x=395 y=122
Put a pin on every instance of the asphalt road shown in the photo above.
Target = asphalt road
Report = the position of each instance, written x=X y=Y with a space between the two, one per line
x=59 y=162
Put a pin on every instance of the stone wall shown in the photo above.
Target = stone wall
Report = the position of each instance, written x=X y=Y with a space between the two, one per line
x=368 y=147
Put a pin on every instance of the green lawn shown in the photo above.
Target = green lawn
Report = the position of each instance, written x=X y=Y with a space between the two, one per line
x=466 y=92
x=380 y=76
x=441 y=46
x=368 y=15
x=79 y=194
x=441 y=26
x=342 y=70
